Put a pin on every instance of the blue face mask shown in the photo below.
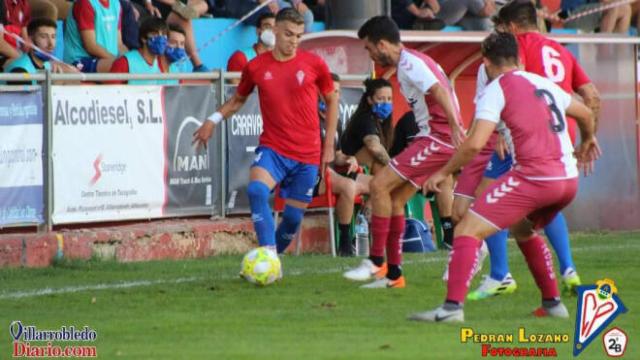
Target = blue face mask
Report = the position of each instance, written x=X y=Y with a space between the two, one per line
x=322 y=106
x=157 y=44
x=175 y=53
x=382 y=110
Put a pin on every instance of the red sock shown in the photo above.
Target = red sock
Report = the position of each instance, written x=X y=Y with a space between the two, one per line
x=462 y=260
x=380 y=234
x=394 y=241
x=540 y=263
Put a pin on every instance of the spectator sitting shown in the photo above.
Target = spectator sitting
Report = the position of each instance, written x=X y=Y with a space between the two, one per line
x=181 y=13
x=42 y=33
x=266 y=41
x=175 y=54
x=416 y=13
x=146 y=60
x=92 y=36
x=468 y=14
x=617 y=19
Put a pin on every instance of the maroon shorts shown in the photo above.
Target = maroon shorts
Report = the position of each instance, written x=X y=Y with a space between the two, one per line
x=472 y=174
x=423 y=157
x=512 y=198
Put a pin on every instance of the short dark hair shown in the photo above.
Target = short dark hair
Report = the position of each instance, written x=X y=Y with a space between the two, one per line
x=264 y=16
x=177 y=28
x=380 y=28
x=37 y=23
x=500 y=48
x=152 y=24
x=335 y=77
x=520 y=12
x=291 y=15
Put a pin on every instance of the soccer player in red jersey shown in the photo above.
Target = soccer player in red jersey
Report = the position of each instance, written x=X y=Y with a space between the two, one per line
x=530 y=195
x=428 y=91
x=545 y=57
x=289 y=153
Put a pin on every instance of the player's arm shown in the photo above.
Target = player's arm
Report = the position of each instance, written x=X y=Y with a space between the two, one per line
x=204 y=132
x=230 y=107
x=442 y=97
x=331 y=124
x=591 y=98
x=375 y=148
x=588 y=150
x=481 y=131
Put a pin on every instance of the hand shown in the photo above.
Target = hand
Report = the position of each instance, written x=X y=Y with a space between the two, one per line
x=587 y=152
x=501 y=147
x=152 y=10
x=426 y=13
x=432 y=184
x=457 y=136
x=353 y=164
x=203 y=134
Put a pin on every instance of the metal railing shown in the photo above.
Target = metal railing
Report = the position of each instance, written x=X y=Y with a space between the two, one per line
x=45 y=80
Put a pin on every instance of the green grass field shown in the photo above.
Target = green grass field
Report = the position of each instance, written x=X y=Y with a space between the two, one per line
x=201 y=309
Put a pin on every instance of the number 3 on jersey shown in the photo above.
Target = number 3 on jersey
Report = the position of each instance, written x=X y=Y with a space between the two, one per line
x=553 y=67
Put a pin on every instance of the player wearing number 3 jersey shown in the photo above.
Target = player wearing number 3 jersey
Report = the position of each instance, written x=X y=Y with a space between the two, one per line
x=543 y=181
x=547 y=58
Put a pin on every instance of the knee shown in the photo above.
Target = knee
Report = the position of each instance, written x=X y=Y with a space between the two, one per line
x=349 y=191
x=376 y=186
x=258 y=191
x=292 y=215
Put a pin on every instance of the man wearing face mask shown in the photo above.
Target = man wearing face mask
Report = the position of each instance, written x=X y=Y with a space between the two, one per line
x=42 y=33
x=175 y=52
x=146 y=60
x=266 y=41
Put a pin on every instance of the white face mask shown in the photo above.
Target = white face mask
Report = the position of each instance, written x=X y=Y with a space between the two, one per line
x=268 y=38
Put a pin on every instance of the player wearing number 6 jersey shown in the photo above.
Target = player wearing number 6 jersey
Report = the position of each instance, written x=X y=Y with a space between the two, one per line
x=545 y=57
x=530 y=195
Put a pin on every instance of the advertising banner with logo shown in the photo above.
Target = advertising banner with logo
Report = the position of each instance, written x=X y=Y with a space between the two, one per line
x=21 y=191
x=108 y=153
x=243 y=132
x=194 y=175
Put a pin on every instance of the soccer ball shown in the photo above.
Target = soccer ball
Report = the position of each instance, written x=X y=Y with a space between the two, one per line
x=261 y=266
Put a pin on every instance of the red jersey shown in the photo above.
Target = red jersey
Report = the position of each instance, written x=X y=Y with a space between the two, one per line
x=545 y=57
x=533 y=109
x=417 y=73
x=85 y=15
x=288 y=92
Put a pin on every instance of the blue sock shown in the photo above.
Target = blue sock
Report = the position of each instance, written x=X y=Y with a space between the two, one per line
x=558 y=235
x=261 y=213
x=497 y=245
x=291 y=219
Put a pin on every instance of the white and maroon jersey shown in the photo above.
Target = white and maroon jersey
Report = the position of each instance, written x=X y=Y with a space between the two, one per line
x=533 y=109
x=417 y=73
x=482 y=80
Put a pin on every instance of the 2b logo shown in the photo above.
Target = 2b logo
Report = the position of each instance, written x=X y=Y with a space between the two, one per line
x=615 y=342
x=598 y=306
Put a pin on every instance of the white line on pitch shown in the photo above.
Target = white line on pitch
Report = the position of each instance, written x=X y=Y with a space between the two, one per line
x=143 y=283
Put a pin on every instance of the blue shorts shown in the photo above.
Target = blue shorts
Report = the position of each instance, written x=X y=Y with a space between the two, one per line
x=496 y=167
x=87 y=64
x=296 y=179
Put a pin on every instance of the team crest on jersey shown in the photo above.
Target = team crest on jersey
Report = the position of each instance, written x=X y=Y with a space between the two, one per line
x=598 y=306
x=268 y=75
x=300 y=76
